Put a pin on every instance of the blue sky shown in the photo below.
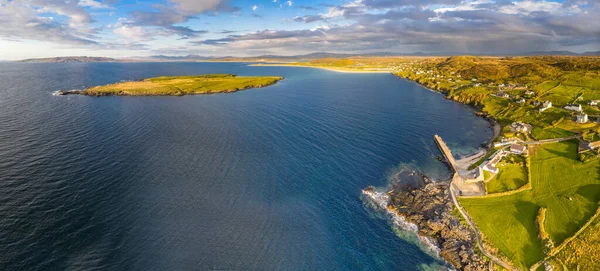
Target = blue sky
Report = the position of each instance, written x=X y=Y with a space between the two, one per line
x=129 y=28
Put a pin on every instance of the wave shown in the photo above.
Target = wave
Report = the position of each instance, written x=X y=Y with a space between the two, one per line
x=379 y=200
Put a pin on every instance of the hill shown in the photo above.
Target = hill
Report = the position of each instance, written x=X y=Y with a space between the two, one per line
x=69 y=59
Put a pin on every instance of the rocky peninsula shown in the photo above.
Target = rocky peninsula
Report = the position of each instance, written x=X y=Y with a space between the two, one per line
x=426 y=206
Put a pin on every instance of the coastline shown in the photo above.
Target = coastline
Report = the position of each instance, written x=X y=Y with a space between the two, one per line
x=417 y=204
x=341 y=70
x=411 y=213
x=85 y=92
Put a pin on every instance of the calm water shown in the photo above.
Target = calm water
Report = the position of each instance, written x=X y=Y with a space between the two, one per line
x=261 y=179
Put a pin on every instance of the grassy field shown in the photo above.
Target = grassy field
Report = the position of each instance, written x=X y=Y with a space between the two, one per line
x=512 y=175
x=583 y=253
x=550 y=132
x=569 y=189
x=183 y=85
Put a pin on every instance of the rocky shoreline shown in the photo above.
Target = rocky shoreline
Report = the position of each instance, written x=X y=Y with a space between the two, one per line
x=427 y=205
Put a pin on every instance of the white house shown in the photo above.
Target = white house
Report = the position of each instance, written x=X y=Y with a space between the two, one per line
x=545 y=106
x=582 y=118
x=518 y=149
x=521 y=101
x=529 y=93
x=593 y=102
x=574 y=107
x=490 y=168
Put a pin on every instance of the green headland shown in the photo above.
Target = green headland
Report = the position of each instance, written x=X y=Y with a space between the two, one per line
x=180 y=85
x=538 y=207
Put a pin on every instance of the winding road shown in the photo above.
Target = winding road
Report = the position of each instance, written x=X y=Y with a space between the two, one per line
x=467 y=218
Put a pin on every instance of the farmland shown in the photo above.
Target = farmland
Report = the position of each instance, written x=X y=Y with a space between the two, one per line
x=512 y=175
x=568 y=188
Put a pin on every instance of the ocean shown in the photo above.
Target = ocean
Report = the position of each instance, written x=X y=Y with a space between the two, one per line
x=261 y=179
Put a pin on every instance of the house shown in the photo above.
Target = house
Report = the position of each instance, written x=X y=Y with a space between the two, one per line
x=490 y=168
x=574 y=107
x=504 y=142
x=503 y=95
x=474 y=176
x=593 y=102
x=529 y=93
x=594 y=145
x=521 y=101
x=519 y=127
x=490 y=165
x=582 y=118
x=518 y=149
x=545 y=106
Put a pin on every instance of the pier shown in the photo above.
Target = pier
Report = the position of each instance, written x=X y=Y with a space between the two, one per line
x=446 y=152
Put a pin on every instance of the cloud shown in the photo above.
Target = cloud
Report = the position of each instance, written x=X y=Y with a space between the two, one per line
x=94 y=4
x=469 y=26
x=38 y=20
x=179 y=11
x=481 y=26
x=304 y=7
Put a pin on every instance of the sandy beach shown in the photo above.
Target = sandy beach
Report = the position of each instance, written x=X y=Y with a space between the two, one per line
x=342 y=70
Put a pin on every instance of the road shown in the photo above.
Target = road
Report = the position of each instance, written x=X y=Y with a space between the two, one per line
x=467 y=218
x=547 y=141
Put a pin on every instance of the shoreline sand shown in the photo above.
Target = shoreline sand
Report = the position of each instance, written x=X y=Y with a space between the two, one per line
x=317 y=67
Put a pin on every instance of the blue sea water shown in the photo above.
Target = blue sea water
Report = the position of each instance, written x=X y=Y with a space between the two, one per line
x=262 y=179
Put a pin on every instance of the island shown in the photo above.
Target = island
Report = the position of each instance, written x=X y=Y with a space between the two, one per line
x=179 y=85
x=531 y=199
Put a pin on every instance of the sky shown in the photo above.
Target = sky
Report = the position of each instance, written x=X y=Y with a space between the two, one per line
x=130 y=28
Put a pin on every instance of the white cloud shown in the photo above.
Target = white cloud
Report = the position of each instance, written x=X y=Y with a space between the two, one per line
x=290 y=3
x=197 y=6
x=527 y=7
x=254 y=8
x=93 y=4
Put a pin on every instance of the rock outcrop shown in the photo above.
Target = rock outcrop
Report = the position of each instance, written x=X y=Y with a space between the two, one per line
x=427 y=204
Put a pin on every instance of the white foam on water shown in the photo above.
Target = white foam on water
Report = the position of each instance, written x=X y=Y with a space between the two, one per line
x=380 y=200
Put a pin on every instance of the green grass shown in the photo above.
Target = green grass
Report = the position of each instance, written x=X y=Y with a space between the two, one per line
x=512 y=175
x=183 y=85
x=591 y=136
x=582 y=253
x=562 y=94
x=569 y=189
x=549 y=133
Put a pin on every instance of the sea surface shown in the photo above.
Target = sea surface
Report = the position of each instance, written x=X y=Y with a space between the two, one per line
x=262 y=179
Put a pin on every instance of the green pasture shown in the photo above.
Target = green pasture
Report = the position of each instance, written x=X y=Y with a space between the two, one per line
x=512 y=175
x=182 y=85
x=569 y=189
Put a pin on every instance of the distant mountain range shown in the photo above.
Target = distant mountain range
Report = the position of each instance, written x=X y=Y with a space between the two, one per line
x=318 y=55
x=311 y=56
x=71 y=59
